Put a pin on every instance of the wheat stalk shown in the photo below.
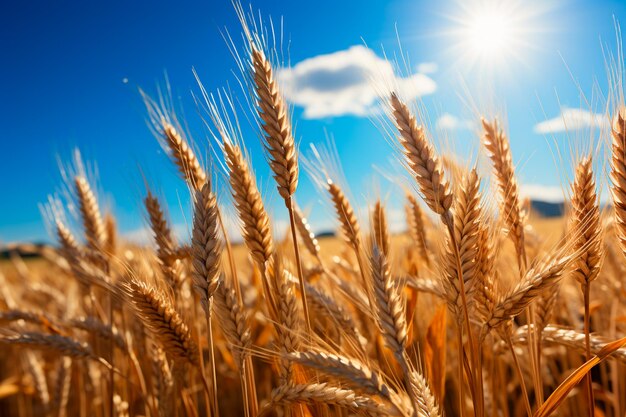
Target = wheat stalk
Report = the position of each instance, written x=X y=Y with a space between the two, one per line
x=62 y=387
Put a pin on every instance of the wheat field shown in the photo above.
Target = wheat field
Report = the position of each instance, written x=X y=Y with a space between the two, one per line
x=474 y=311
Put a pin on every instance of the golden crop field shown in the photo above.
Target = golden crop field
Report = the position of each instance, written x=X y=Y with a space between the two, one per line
x=478 y=309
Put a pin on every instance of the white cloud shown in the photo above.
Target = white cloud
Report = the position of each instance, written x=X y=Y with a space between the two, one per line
x=428 y=67
x=347 y=82
x=572 y=119
x=449 y=122
x=538 y=192
x=143 y=235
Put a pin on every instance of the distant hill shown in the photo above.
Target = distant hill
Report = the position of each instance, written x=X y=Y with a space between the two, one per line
x=546 y=209
x=24 y=250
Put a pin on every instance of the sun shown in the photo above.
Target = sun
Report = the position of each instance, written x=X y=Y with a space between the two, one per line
x=495 y=34
x=489 y=32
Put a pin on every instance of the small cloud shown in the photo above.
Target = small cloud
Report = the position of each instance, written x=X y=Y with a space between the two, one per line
x=124 y=80
x=397 y=220
x=347 y=83
x=143 y=235
x=451 y=123
x=538 y=192
x=572 y=119
x=428 y=67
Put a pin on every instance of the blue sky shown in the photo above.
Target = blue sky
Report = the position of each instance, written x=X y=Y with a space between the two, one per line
x=71 y=72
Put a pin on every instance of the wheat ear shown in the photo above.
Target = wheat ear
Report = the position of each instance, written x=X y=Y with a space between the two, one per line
x=354 y=373
x=158 y=314
x=391 y=317
x=327 y=395
x=206 y=245
x=183 y=155
x=254 y=218
x=103 y=331
x=380 y=230
x=499 y=152
x=586 y=231
x=618 y=175
x=273 y=112
x=233 y=320
x=95 y=231
x=333 y=308
x=459 y=281
x=573 y=339
x=110 y=229
x=53 y=342
x=585 y=226
x=537 y=280
x=417 y=228
x=68 y=246
x=347 y=219
x=306 y=234
x=427 y=404
x=485 y=294
x=388 y=302
x=166 y=245
x=255 y=223
x=288 y=317
x=422 y=161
